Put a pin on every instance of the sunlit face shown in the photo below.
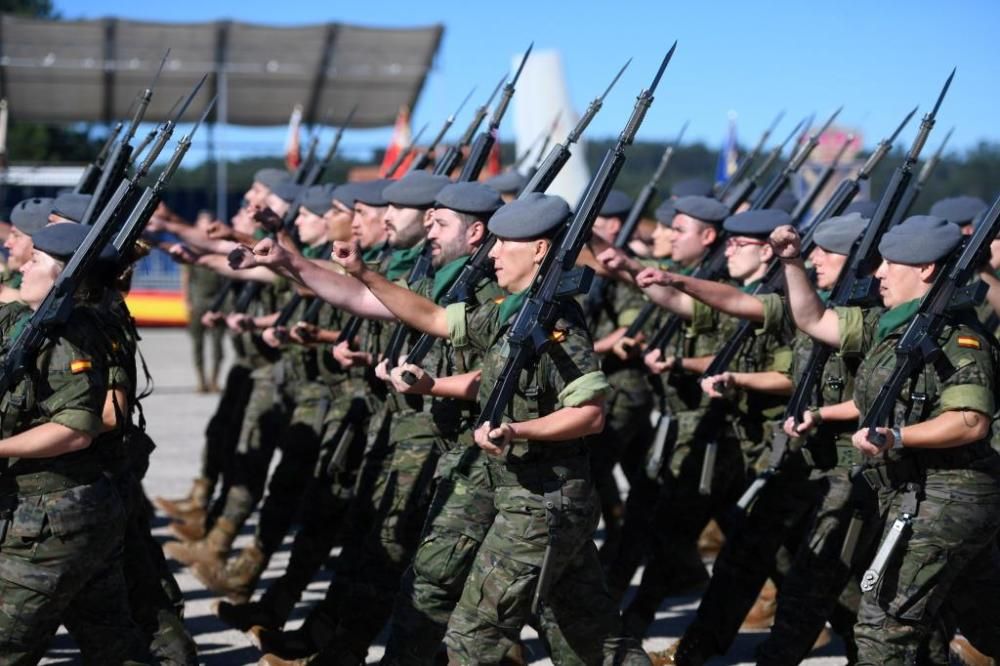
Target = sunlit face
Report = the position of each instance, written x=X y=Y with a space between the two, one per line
x=663 y=241
x=403 y=226
x=257 y=193
x=516 y=262
x=243 y=221
x=899 y=283
x=450 y=237
x=367 y=226
x=39 y=274
x=690 y=239
x=19 y=247
x=746 y=256
x=338 y=221
x=311 y=228
x=828 y=266
x=607 y=228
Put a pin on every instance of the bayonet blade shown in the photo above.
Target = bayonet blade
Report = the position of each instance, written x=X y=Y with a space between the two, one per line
x=894 y=135
x=204 y=115
x=156 y=77
x=774 y=123
x=944 y=91
x=500 y=83
x=417 y=137
x=680 y=135
x=829 y=122
x=663 y=67
x=460 y=106
x=793 y=134
x=613 y=81
x=190 y=98
x=520 y=67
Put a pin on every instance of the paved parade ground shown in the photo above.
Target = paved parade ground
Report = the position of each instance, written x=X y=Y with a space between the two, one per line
x=176 y=418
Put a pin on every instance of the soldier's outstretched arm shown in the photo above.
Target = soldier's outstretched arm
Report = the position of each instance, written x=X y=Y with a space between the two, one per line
x=219 y=264
x=720 y=296
x=412 y=309
x=44 y=441
x=658 y=285
x=809 y=313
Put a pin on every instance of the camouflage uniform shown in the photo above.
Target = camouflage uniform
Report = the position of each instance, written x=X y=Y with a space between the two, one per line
x=203 y=287
x=60 y=560
x=945 y=567
x=496 y=597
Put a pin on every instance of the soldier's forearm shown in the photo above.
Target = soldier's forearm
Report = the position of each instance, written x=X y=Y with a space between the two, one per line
x=772 y=382
x=412 y=309
x=339 y=290
x=563 y=424
x=724 y=297
x=44 y=441
x=947 y=430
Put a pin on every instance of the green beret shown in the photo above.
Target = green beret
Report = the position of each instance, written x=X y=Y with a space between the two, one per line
x=534 y=215
x=473 y=198
x=509 y=182
x=692 y=187
x=704 y=209
x=318 y=199
x=959 y=210
x=415 y=190
x=665 y=212
x=31 y=215
x=838 y=234
x=287 y=191
x=271 y=178
x=864 y=208
x=921 y=239
x=61 y=240
x=758 y=223
x=618 y=204
x=370 y=193
x=71 y=206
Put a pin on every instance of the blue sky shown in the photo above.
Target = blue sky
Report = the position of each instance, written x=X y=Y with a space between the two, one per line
x=879 y=58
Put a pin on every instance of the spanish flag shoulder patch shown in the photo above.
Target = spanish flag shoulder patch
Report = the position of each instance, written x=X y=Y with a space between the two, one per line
x=557 y=336
x=79 y=365
x=499 y=299
x=969 y=342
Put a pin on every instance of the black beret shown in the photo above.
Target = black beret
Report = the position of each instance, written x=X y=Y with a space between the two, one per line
x=370 y=192
x=318 y=199
x=509 y=182
x=271 y=178
x=287 y=191
x=921 y=239
x=345 y=194
x=31 y=215
x=756 y=222
x=62 y=239
x=71 y=206
x=665 y=212
x=535 y=215
x=959 y=210
x=864 y=208
x=837 y=234
x=618 y=204
x=415 y=190
x=472 y=198
x=692 y=187
x=705 y=209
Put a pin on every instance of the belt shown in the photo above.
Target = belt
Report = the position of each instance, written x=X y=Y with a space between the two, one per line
x=49 y=481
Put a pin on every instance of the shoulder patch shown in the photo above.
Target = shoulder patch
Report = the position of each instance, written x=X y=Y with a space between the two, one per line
x=79 y=365
x=499 y=299
x=557 y=335
x=969 y=342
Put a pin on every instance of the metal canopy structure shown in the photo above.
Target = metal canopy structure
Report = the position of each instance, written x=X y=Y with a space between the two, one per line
x=91 y=71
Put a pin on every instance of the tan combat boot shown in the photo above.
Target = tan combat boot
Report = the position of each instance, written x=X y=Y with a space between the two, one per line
x=761 y=616
x=963 y=652
x=710 y=541
x=235 y=579
x=191 y=527
x=196 y=499
x=275 y=660
x=214 y=547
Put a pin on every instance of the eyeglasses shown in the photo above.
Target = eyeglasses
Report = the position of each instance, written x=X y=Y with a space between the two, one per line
x=740 y=243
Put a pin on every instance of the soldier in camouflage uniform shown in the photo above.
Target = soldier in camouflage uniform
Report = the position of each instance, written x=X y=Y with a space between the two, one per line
x=26 y=218
x=936 y=461
x=505 y=569
x=200 y=287
x=63 y=522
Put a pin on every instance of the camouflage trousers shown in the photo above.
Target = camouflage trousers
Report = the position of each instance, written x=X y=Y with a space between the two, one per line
x=299 y=443
x=819 y=586
x=223 y=431
x=61 y=563
x=496 y=598
x=946 y=567
x=325 y=502
x=198 y=332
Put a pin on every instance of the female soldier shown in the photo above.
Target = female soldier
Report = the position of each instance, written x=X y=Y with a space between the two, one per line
x=60 y=560
x=936 y=452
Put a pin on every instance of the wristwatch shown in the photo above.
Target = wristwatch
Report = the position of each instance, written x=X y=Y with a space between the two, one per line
x=897 y=438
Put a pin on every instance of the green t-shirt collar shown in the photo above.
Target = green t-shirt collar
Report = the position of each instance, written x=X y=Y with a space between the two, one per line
x=896 y=317
x=446 y=275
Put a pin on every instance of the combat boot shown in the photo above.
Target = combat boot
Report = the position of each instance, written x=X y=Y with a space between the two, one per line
x=214 y=547
x=688 y=651
x=191 y=528
x=244 y=616
x=235 y=579
x=710 y=541
x=275 y=660
x=196 y=499
x=961 y=651
x=286 y=644
x=761 y=615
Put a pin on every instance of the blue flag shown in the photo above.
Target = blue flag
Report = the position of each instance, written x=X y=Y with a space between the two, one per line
x=728 y=155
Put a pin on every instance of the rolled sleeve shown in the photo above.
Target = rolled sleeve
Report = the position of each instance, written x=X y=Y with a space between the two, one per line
x=967 y=396
x=703 y=318
x=774 y=314
x=851 y=326
x=458 y=331
x=584 y=388
x=78 y=419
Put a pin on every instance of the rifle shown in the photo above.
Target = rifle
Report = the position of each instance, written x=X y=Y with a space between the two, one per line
x=114 y=170
x=546 y=140
x=453 y=155
x=917 y=347
x=462 y=289
x=403 y=154
x=821 y=182
x=424 y=159
x=747 y=186
x=350 y=330
x=917 y=187
x=747 y=162
x=57 y=306
x=92 y=174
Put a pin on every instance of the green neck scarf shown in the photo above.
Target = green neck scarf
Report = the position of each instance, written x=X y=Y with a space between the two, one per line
x=259 y=234
x=14 y=281
x=372 y=253
x=316 y=251
x=749 y=287
x=824 y=295
x=446 y=275
x=896 y=317
x=402 y=261
x=686 y=270
x=511 y=304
